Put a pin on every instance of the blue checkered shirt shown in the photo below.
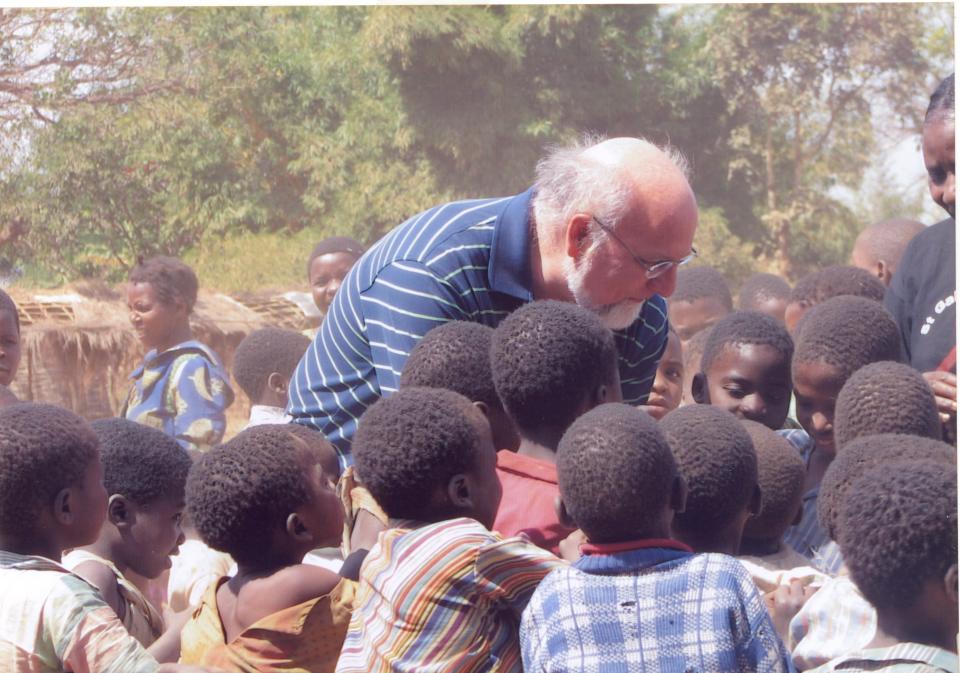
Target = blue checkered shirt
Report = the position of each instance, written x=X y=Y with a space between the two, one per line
x=650 y=609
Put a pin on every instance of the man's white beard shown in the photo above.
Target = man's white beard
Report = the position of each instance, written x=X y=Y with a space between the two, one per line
x=615 y=316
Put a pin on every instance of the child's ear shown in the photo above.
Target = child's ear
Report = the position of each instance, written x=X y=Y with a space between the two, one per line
x=756 y=501
x=882 y=270
x=277 y=383
x=297 y=529
x=798 y=517
x=563 y=516
x=678 y=494
x=459 y=492
x=600 y=395
x=63 y=507
x=698 y=388
x=950 y=583
x=484 y=408
x=119 y=512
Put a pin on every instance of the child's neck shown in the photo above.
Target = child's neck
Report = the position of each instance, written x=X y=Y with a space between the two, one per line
x=721 y=541
x=816 y=468
x=542 y=447
x=907 y=627
x=749 y=547
x=50 y=549
x=110 y=549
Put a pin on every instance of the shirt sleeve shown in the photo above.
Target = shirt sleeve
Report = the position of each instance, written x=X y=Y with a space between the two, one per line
x=87 y=636
x=509 y=571
x=405 y=301
x=763 y=649
x=200 y=395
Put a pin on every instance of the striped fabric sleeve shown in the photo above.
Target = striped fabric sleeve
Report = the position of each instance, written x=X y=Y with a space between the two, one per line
x=86 y=634
x=405 y=301
x=510 y=570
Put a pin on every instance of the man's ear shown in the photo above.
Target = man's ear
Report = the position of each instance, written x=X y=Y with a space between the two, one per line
x=678 y=494
x=698 y=388
x=563 y=516
x=297 y=529
x=459 y=492
x=119 y=511
x=577 y=235
x=950 y=583
x=756 y=501
x=277 y=383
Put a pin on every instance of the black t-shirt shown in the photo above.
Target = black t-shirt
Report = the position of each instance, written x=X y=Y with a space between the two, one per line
x=922 y=296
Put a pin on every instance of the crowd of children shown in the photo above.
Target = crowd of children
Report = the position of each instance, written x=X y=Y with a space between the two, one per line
x=785 y=500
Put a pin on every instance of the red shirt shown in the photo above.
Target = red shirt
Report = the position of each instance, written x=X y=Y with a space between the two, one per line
x=529 y=492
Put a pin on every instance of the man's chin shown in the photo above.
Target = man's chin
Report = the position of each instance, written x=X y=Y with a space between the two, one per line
x=620 y=316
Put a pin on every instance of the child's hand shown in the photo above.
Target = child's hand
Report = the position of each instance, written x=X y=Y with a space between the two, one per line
x=570 y=546
x=944 y=387
x=785 y=602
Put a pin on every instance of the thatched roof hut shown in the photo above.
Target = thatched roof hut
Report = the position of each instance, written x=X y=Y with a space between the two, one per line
x=77 y=350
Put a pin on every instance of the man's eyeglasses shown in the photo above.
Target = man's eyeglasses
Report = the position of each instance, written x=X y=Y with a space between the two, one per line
x=652 y=269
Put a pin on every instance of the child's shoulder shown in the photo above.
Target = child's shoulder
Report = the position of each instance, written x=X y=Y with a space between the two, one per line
x=288 y=587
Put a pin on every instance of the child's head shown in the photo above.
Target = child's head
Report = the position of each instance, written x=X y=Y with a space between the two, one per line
x=618 y=478
x=715 y=456
x=835 y=339
x=9 y=339
x=939 y=138
x=328 y=264
x=885 y=397
x=702 y=297
x=264 y=498
x=667 y=387
x=880 y=246
x=692 y=357
x=51 y=481
x=780 y=474
x=552 y=361
x=264 y=362
x=456 y=356
x=802 y=297
x=160 y=296
x=145 y=474
x=898 y=534
x=427 y=454
x=863 y=453
x=315 y=440
x=767 y=293
x=745 y=368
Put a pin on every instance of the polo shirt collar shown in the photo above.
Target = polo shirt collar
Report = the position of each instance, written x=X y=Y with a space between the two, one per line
x=509 y=269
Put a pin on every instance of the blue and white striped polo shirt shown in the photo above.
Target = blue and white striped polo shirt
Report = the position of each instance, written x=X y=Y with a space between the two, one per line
x=467 y=260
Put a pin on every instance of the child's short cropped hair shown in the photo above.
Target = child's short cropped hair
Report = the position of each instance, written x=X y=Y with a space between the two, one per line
x=746 y=328
x=263 y=352
x=702 y=282
x=861 y=454
x=715 y=455
x=7 y=304
x=780 y=473
x=762 y=287
x=546 y=357
x=693 y=349
x=847 y=333
x=139 y=462
x=885 y=397
x=170 y=279
x=615 y=471
x=242 y=491
x=412 y=443
x=43 y=450
x=333 y=245
x=898 y=530
x=455 y=356
x=836 y=281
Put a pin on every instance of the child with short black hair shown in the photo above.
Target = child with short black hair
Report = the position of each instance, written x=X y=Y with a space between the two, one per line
x=715 y=455
x=767 y=293
x=144 y=473
x=328 y=264
x=262 y=366
x=745 y=368
x=552 y=361
x=180 y=387
x=637 y=600
x=51 y=499
x=9 y=339
x=885 y=397
x=880 y=246
x=264 y=498
x=835 y=339
x=667 y=390
x=438 y=588
x=897 y=527
x=692 y=357
x=700 y=299
x=833 y=281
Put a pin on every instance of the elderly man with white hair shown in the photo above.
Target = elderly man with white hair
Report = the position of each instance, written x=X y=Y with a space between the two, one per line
x=605 y=225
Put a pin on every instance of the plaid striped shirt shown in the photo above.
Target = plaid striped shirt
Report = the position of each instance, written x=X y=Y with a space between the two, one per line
x=468 y=260
x=900 y=658
x=53 y=621
x=442 y=597
x=650 y=609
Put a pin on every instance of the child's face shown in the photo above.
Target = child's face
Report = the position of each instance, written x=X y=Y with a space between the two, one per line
x=322 y=513
x=154 y=321
x=325 y=275
x=751 y=381
x=773 y=307
x=938 y=156
x=689 y=317
x=794 y=311
x=89 y=506
x=9 y=347
x=816 y=386
x=668 y=384
x=156 y=534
